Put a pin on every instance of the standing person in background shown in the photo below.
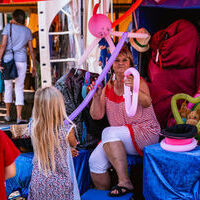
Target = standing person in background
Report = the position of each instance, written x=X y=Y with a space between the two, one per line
x=8 y=154
x=53 y=175
x=21 y=37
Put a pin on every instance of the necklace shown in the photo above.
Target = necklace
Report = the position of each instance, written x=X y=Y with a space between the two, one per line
x=118 y=88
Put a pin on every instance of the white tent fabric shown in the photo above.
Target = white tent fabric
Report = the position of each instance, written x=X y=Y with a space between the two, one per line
x=1 y=21
x=46 y=13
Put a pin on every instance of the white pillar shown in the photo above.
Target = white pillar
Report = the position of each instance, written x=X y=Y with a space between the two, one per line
x=47 y=10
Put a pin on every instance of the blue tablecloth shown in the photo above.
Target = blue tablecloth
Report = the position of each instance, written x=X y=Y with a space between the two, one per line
x=24 y=170
x=22 y=179
x=82 y=170
x=103 y=195
x=170 y=175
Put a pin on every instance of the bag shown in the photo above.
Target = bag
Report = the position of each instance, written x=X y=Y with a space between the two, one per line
x=174 y=66
x=9 y=70
x=176 y=46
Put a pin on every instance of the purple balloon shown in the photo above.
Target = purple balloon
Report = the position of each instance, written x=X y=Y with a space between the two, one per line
x=87 y=77
x=100 y=78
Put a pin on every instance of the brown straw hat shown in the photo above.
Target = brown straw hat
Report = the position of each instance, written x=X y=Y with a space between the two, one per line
x=141 y=44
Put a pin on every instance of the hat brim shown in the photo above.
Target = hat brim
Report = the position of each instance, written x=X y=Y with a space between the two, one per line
x=180 y=131
x=178 y=148
x=138 y=48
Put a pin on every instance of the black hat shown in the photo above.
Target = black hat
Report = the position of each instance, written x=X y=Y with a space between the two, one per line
x=180 y=131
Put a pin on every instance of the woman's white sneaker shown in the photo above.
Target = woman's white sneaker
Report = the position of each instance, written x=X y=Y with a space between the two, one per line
x=7 y=118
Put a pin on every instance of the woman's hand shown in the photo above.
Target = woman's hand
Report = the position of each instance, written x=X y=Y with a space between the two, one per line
x=129 y=82
x=98 y=91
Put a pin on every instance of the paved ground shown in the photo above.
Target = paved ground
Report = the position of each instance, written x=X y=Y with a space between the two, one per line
x=26 y=111
x=3 y=123
x=2 y=114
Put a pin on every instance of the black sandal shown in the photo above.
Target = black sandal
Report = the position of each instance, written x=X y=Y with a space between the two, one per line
x=120 y=192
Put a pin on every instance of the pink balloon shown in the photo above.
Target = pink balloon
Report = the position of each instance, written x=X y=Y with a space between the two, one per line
x=87 y=78
x=179 y=148
x=190 y=105
x=131 y=35
x=99 y=25
x=87 y=52
x=173 y=141
x=131 y=106
x=111 y=44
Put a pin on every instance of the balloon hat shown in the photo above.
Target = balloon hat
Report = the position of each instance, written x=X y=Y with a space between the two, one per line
x=179 y=138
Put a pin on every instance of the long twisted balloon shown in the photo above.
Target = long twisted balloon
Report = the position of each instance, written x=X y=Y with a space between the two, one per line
x=100 y=78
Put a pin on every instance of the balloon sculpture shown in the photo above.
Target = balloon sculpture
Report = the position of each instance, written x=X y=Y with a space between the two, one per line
x=100 y=78
x=175 y=108
x=131 y=107
x=190 y=105
x=100 y=27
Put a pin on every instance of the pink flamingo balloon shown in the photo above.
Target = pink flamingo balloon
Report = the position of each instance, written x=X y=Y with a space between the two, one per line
x=100 y=27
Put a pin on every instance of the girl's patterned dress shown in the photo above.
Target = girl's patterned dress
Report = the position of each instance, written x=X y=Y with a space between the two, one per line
x=144 y=124
x=58 y=185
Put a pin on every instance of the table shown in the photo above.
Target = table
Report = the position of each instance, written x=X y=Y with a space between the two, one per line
x=170 y=175
x=24 y=170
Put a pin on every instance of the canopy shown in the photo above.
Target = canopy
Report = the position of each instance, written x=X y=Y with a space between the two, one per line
x=164 y=3
x=167 y=11
x=172 y=4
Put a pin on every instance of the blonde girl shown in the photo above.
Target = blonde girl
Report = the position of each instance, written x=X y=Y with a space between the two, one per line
x=53 y=174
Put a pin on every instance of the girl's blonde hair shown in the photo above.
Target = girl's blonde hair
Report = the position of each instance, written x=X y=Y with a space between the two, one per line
x=48 y=116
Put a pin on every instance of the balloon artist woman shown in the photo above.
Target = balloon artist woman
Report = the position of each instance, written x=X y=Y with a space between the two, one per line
x=126 y=135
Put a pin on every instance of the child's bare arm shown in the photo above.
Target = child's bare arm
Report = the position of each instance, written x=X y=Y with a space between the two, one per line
x=10 y=171
x=72 y=139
